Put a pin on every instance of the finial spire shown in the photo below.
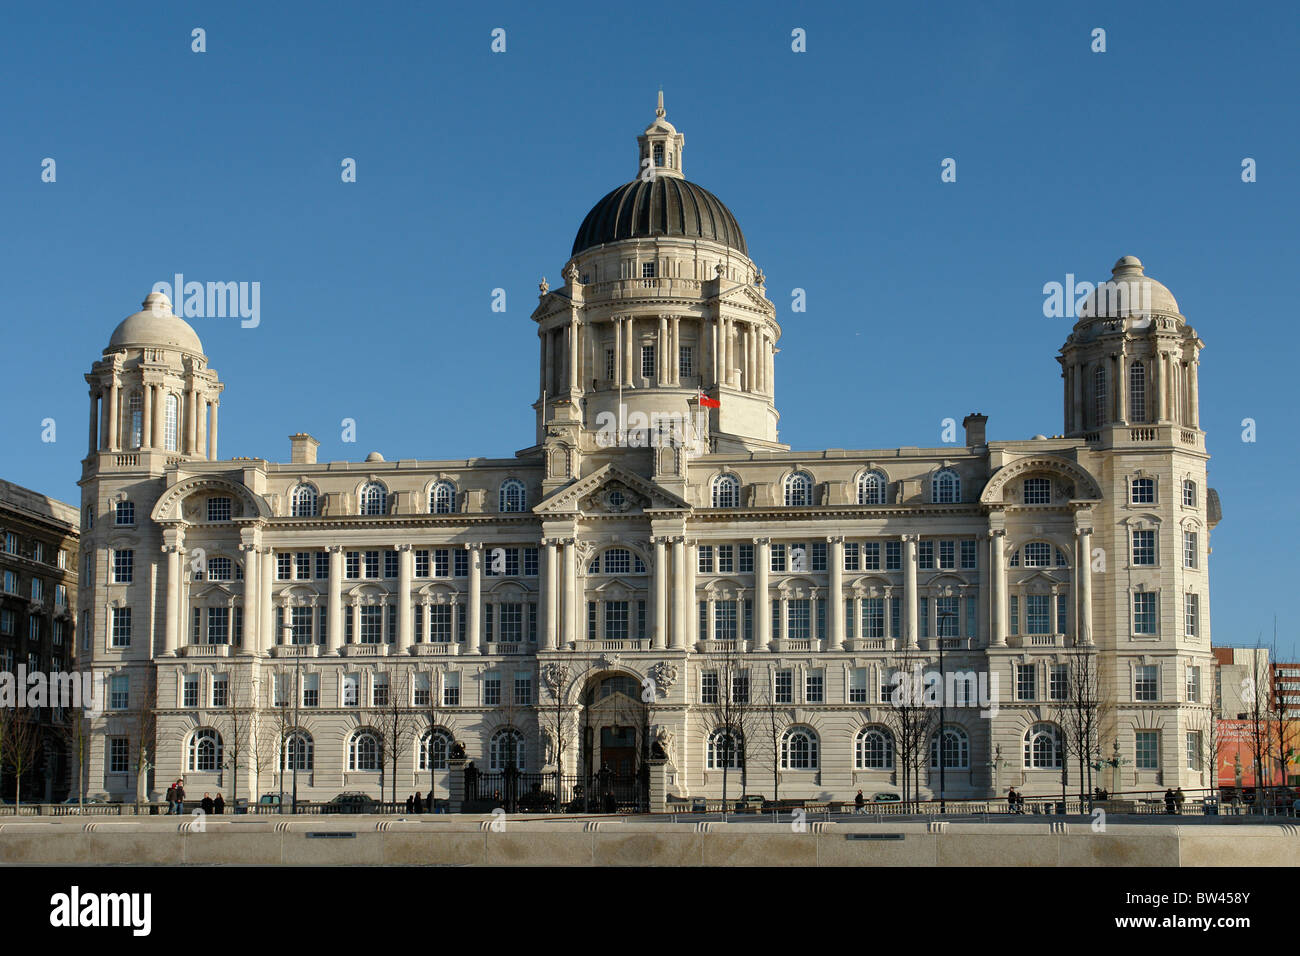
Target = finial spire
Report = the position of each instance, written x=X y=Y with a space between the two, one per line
x=660 y=111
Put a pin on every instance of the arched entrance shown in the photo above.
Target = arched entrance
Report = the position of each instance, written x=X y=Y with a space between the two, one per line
x=614 y=744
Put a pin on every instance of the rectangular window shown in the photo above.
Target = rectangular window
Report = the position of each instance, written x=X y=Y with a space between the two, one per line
x=1062 y=613
x=280 y=685
x=925 y=555
x=685 y=361
x=311 y=690
x=352 y=564
x=460 y=564
x=124 y=513
x=968 y=553
x=1147 y=745
x=1194 y=750
x=1059 y=681
x=852 y=556
x=300 y=625
x=379 y=690
x=871 y=556
x=440 y=623
x=218 y=509
x=947 y=555
x=923 y=612
x=422 y=563
x=746 y=559
x=530 y=562
x=799 y=624
x=726 y=559
x=1146 y=682
x=648 y=269
x=121 y=634
x=1191 y=615
x=709 y=687
x=858 y=685
x=219 y=624
x=190 y=691
x=119 y=755
x=372 y=564
x=873 y=617
x=724 y=620
x=609 y=364
x=895 y=617
x=785 y=687
x=283 y=566
x=777 y=558
x=972 y=617
x=740 y=687
x=390 y=564
x=647 y=361
x=1144 y=612
x=815 y=687
x=420 y=696
x=1194 y=685
x=372 y=624
x=1038 y=614
x=351 y=690
x=119 y=692
x=221 y=690
x=947 y=616
x=1025 y=683
x=11 y=543
x=451 y=690
x=123 y=566
x=893 y=555
x=819 y=556
x=705 y=563
x=1013 y=614
x=322 y=565
x=441 y=563
x=523 y=688
x=1144 y=548
x=1190 y=552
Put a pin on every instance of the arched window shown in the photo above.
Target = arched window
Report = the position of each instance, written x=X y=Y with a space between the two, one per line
x=726 y=491
x=363 y=751
x=1137 y=392
x=799 y=490
x=956 y=749
x=442 y=498
x=306 y=503
x=726 y=749
x=435 y=745
x=299 y=752
x=135 y=414
x=1189 y=493
x=1043 y=747
x=374 y=499
x=945 y=487
x=871 y=488
x=799 y=749
x=506 y=749
x=1038 y=554
x=170 y=423
x=513 y=497
x=874 y=749
x=205 y=751
x=1099 y=396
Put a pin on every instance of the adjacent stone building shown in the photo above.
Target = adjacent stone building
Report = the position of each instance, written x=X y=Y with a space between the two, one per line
x=38 y=634
x=659 y=567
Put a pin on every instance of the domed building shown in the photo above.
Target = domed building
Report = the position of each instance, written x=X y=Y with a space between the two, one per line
x=658 y=600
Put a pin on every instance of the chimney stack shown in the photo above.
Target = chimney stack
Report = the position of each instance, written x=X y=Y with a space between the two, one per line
x=303 y=448
x=974 y=424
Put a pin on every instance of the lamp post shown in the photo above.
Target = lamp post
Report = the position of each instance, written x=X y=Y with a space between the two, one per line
x=297 y=692
x=944 y=618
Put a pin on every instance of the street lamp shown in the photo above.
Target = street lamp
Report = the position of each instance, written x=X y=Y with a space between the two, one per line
x=944 y=616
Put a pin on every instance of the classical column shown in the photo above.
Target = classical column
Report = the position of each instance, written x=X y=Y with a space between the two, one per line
x=1083 y=582
x=710 y=619
x=200 y=424
x=173 y=542
x=1121 y=386
x=266 y=629
x=473 y=621
x=212 y=435
x=94 y=423
x=629 y=353
x=662 y=350
x=191 y=420
x=159 y=417
x=909 y=589
x=146 y=417
x=998 y=564
x=835 y=599
x=660 y=572
x=570 y=590
x=1193 y=396
x=114 y=415
x=679 y=593
x=714 y=324
x=334 y=638
x=674 y=356
x=1158 y=369
x=251 y=610
x=783 y=632
x=405 y=571
x=762 y=600
x=548 y=596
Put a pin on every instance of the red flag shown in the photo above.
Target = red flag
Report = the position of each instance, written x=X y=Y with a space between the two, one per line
x=709 y=402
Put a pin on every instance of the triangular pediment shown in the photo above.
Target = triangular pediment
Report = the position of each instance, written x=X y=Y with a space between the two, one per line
x=594 y=494
x=747 y=297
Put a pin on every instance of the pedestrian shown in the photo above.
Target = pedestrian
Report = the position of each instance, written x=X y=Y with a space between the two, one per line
x=180 y=795
x=410 y=803
x=219 y=804
x=859 y=803
x=417 y=803
x=1012 y=803
x=1179 y=799
x=171 y=798
x=431 y=801
x=1169 y=801
x=206 y=803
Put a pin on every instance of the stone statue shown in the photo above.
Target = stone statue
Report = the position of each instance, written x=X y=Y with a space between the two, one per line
x=663 y=743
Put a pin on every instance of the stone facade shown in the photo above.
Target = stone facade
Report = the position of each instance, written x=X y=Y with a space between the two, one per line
x=650 y=545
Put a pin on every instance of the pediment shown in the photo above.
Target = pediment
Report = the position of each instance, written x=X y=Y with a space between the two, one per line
x=746 y=296
x=611 y=490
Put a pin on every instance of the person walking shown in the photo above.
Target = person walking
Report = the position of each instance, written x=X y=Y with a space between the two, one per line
x=1179 y=799
x=219 y=804
x=206 y=803
x=171 y=798
x=417 y=803
x=179 y=792
x=859 y=803
x=410 y=804
x=1169 y=801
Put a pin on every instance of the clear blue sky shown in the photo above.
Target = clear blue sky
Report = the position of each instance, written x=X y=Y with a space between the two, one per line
x=475 y=169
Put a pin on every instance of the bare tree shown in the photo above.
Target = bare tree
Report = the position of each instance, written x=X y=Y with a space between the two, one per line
x=772 y=720
x=911 y=719
x=729 y=714
x=75 y=732
x=20 y=745
x=1284 y=722
x=1079 y=715
x=144 y=724
x=1259 y=722
x=398 y=723
x=239 y=715
x=559 y=720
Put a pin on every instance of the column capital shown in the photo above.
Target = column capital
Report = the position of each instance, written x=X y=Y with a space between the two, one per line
x=909 y=538
x=334 y=548
x=402 y=547
x=473 y=545
x=249 y=546
x=1082 y=532
x=835 y=539
x=995 y=533
x=762 y=541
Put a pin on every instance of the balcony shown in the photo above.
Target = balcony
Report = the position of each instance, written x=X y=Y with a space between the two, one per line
x=623 y=644
x=435 y=649
x=869 y=644
x=204 y=650
x=790 y=644
x=1036 y=640
x=295 y=650
x=506 y=649
x=365 y=650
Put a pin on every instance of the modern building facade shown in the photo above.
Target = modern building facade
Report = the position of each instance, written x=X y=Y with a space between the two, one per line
x=38 y=633
x=654 y=568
